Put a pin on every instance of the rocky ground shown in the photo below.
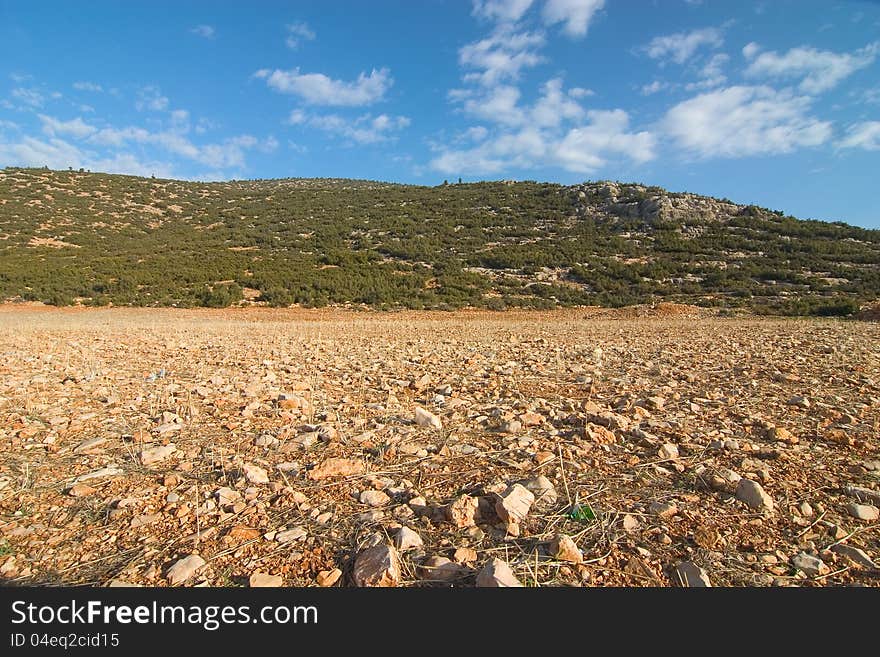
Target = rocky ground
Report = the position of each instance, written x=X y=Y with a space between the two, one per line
x=327 y=448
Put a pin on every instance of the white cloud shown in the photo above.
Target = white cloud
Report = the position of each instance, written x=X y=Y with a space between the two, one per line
x=76 y=127
x=819 y=70
x=88 y=86
x=366 y=129
x=750 y=50
x=501 y=105
x=501 y=56
x=150 y=98
x=180 y=119
x=475 y=133
x=583 y=148
x=318 y=89
x=864 y=135
x=580 y=92
x=654 y=87
x=18 y=78
x=297 y=32
x=118 y=136
x=30 y=97
x=230 y=153
x=554 y=107
x=680 y=47
x=711 y=74
x=297 y=117
x=740 y=121
x=59 y=154
x=203 y=125
x=497 y=105
x=508 y=11
x=206 y=31
x=575 y=14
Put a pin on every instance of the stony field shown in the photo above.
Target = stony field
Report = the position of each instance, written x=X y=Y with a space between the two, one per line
x=257 y=447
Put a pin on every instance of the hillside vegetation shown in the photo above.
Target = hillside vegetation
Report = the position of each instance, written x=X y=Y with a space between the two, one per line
x=73 y=237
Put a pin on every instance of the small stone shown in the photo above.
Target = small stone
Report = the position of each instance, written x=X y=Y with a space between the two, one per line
x=543 y=457
x=855 y=555
x=427 y=419
x=462 y=512
x=784 y=435
x=668 y=451
x=497 y=574
x=441 y=569
x=291 y=535
x=243 y=533
x=805 y=509
x=543 y=490
x=753 y=495
x=691 y=575
x=514 y=503
x=837 y=532
x=263 y=580
x=336 y=468
x=465 y=555
x=90 y=445
x=407 y=539
x=153 y=455
x=374 y=498
x=564 y=548
x=144 y=520
x=256 y=474
x=512 y=426
x=663 y=509
x=81 y=490
x=655 y=403
x=184 y=569
x=109 y=471
x=809 y=565
x=227 y=495
x=531 y=419
x=328 y=577
x=863 y=494
x=865 y=512
x=378 y=566
x=630 y=523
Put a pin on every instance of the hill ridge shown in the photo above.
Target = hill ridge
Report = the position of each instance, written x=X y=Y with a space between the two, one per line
x=81 y=237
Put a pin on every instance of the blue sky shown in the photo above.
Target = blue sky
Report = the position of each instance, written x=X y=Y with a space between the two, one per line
x=771 y=102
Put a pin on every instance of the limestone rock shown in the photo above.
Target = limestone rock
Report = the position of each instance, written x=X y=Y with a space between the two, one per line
x=753 y=495
x=184 y=569
x=427 y=419
x=564 y=548
x=514 y=503
x=264 y=580
x=462 y=511
x=336 y=468
x=153 y=455
x=497 y=574
x=407 y=539
x=691 y=575
x=378 y=566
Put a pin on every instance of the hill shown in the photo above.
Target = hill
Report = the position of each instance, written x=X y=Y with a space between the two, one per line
x=75 y=237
